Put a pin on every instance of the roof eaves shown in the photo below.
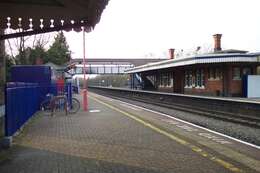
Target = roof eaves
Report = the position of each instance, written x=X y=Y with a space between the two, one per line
x=235 y=57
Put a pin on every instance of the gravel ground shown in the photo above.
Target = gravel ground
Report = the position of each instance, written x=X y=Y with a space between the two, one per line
x=242 y=132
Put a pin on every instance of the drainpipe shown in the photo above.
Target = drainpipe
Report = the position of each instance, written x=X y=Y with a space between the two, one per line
x=225 y=80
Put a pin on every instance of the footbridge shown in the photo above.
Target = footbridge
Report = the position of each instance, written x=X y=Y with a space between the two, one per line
x=108 y=65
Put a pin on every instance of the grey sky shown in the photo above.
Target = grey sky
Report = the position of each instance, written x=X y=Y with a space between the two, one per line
x=136 y=28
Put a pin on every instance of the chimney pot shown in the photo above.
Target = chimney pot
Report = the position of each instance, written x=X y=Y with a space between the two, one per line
x=217 y=42
x=171 y=53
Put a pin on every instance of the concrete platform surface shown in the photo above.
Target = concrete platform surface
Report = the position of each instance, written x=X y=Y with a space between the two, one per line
x=116 y=137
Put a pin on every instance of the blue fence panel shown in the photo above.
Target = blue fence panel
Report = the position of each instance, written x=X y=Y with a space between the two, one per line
x=46 y=89
x=31 y=74
x=22 y=101
x=53 y=88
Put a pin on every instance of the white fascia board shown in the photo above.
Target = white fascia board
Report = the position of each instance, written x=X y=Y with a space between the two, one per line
x=157 y=66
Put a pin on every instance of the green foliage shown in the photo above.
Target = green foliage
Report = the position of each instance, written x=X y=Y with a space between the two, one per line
x=9 y=63
x=21 y=58
x=37 y=52
x=59 y=51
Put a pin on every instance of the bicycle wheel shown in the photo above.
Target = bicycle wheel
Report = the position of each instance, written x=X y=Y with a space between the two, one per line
x=45 y=105
x=75 y=105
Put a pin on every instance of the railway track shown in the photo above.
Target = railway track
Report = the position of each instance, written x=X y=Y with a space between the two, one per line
x=251 y=121
x=244 y=120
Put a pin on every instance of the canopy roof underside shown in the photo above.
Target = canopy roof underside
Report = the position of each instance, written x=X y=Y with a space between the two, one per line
x=39 y=15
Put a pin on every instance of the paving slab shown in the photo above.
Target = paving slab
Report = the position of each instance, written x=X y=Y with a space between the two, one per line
x=100 y=140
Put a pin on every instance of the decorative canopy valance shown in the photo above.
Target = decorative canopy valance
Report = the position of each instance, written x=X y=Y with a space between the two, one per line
x=41 y=16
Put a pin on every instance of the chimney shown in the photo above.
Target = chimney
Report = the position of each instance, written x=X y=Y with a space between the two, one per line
x=217 y=42
x=171 y=53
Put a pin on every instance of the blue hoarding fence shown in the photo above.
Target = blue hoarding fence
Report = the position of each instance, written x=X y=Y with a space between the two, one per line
x=45 y=89
x=40 y=74
x=22 y=101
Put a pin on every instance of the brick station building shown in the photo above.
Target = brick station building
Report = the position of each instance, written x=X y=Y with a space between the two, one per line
x=220 y=73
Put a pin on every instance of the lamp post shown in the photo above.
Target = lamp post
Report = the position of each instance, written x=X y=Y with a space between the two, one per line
x=85 y=98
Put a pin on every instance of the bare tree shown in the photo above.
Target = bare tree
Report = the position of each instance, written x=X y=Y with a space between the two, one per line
x=19 y=48
x=40 y=40
x=207 y=48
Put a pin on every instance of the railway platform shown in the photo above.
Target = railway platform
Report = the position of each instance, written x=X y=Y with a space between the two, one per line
x=115 y=136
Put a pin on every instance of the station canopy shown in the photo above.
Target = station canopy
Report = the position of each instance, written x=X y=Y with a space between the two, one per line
x=29 y=17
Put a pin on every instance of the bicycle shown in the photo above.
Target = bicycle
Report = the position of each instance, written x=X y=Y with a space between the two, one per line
x=59 y=102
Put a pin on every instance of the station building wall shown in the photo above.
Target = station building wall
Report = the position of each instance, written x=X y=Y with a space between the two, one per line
x=211 y=80
x=206 y=80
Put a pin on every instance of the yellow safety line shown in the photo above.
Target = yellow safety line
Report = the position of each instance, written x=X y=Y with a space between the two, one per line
x=194 y=148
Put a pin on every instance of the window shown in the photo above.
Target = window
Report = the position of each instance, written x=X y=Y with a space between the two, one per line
x=202 y=81
x=188 y=78
x=161 y=79
x=171 y=79
x=236 y=73
x=198 y=77
x=166 y=80
x=246 y=71
x=214 y=73
x=191 y=82
x=218 y=73
x=258 y=70
x=199 y=80
x=194 y=81
x=211 y=73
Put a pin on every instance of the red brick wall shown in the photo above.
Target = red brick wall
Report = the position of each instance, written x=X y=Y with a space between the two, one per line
x=212 y=87
x=234 y=86
x=178 y=81
x=215 y=87
x=165 y=89
x=196 y=91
